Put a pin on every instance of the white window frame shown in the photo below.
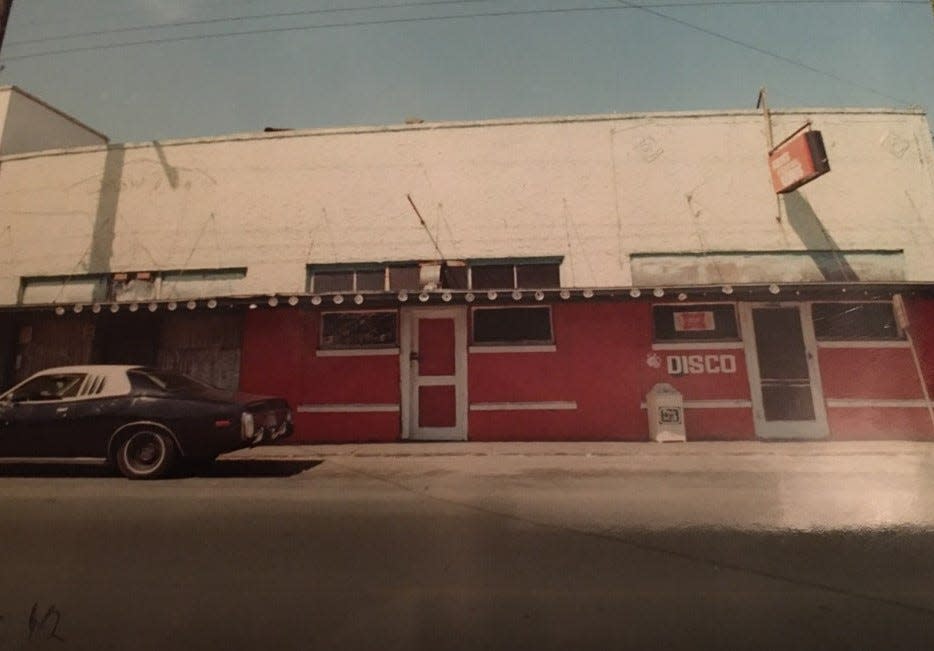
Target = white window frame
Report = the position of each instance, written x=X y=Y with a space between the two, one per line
x=529 y=345
x=360 y=350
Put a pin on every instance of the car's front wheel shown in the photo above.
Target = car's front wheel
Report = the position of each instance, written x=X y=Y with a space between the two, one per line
x=146 y=454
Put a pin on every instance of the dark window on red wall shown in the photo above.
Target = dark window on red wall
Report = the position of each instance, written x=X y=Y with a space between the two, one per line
x=854 y=321
x=695 y=323
x=359 y=329
x=512 y=325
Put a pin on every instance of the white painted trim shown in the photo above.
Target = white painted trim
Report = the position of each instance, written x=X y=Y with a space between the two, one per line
x=355 y=352
x=837 y=403
x=895 y=343
x=531 y=348
x=410 y=379
x=700 y=345
x=738 y=403
x=437 y=380
x=337 y=408
x=555 y=405
x=798 y=429
x=718 y=404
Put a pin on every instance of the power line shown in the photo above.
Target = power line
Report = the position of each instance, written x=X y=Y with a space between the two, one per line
x=231 y=19
x=650 y=10
x=405 y=5
x=621 y=5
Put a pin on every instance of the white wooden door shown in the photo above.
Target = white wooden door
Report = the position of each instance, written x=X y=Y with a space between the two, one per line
x=434 y=373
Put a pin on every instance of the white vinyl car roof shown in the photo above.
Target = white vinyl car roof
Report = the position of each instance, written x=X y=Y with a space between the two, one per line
x=100 y=381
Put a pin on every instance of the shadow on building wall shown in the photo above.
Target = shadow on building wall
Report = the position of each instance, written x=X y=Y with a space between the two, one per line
x=105 y=220
x=825 y=252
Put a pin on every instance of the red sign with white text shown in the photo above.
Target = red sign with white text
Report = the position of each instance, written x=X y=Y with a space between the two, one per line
x=693 y=321
x=798 y=160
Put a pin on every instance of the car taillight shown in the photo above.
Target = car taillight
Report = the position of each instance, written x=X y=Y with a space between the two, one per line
x=247 y=427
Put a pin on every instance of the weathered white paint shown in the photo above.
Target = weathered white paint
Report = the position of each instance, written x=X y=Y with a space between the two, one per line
x=28 y=124
x=349 y=408
x=594 y=190
x=547 y=405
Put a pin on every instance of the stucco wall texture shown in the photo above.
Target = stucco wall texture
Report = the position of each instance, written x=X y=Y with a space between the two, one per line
x=591 y=189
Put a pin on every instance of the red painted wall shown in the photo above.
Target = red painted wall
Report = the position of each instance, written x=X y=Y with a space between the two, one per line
x=921 y=326
x=279 y=357
x=881 y=374
x=603 y=361
x=869 y=373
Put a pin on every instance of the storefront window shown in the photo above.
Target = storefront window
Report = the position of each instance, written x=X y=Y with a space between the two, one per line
x=855 y=321
x=695 y=323
x=359 y=329
x=512 y=325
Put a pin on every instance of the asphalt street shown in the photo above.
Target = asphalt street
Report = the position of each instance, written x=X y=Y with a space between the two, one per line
x=478 y=546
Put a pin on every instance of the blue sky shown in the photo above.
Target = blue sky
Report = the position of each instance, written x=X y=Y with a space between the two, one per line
x=380 y=62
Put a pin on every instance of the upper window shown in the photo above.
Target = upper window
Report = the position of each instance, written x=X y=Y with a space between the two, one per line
x=530 y=275
x=359 y=329
x=134 y=286
x=715 y=322
x=366 y=278
x=534 y=273
x=854 y=321
x=512 y=325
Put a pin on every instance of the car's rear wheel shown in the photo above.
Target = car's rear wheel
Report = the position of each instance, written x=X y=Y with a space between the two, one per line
x=146 y=454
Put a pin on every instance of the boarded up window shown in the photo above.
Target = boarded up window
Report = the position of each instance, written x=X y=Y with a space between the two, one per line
x=695 y=323
x=48 y=341
x=512 y=325
x=203 y=346
x=359 y=329
x=855 y=321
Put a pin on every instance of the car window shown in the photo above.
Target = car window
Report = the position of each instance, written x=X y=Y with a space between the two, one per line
x=163 y=381
x=49 y=387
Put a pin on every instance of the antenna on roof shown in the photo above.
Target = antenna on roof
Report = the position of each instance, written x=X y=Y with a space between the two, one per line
x=425 y=226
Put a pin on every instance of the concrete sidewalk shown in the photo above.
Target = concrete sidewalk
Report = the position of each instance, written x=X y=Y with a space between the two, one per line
x=589 y=449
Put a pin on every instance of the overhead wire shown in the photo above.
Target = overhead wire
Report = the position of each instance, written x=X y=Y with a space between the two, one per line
x=781 y=57
x=429 y=3
x=651 y=9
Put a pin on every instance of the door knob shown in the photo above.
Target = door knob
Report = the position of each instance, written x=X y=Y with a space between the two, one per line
x=413 y=356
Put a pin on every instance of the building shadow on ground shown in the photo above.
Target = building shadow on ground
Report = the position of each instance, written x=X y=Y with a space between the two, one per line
x=222 y=468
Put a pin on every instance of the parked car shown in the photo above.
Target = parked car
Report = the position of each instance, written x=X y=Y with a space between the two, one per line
x=143 y=420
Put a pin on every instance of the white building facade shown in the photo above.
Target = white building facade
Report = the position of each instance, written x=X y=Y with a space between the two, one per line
x=565 y=247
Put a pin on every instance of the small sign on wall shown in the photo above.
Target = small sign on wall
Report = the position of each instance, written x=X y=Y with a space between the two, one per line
x=709 y=364
x=701 y=321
